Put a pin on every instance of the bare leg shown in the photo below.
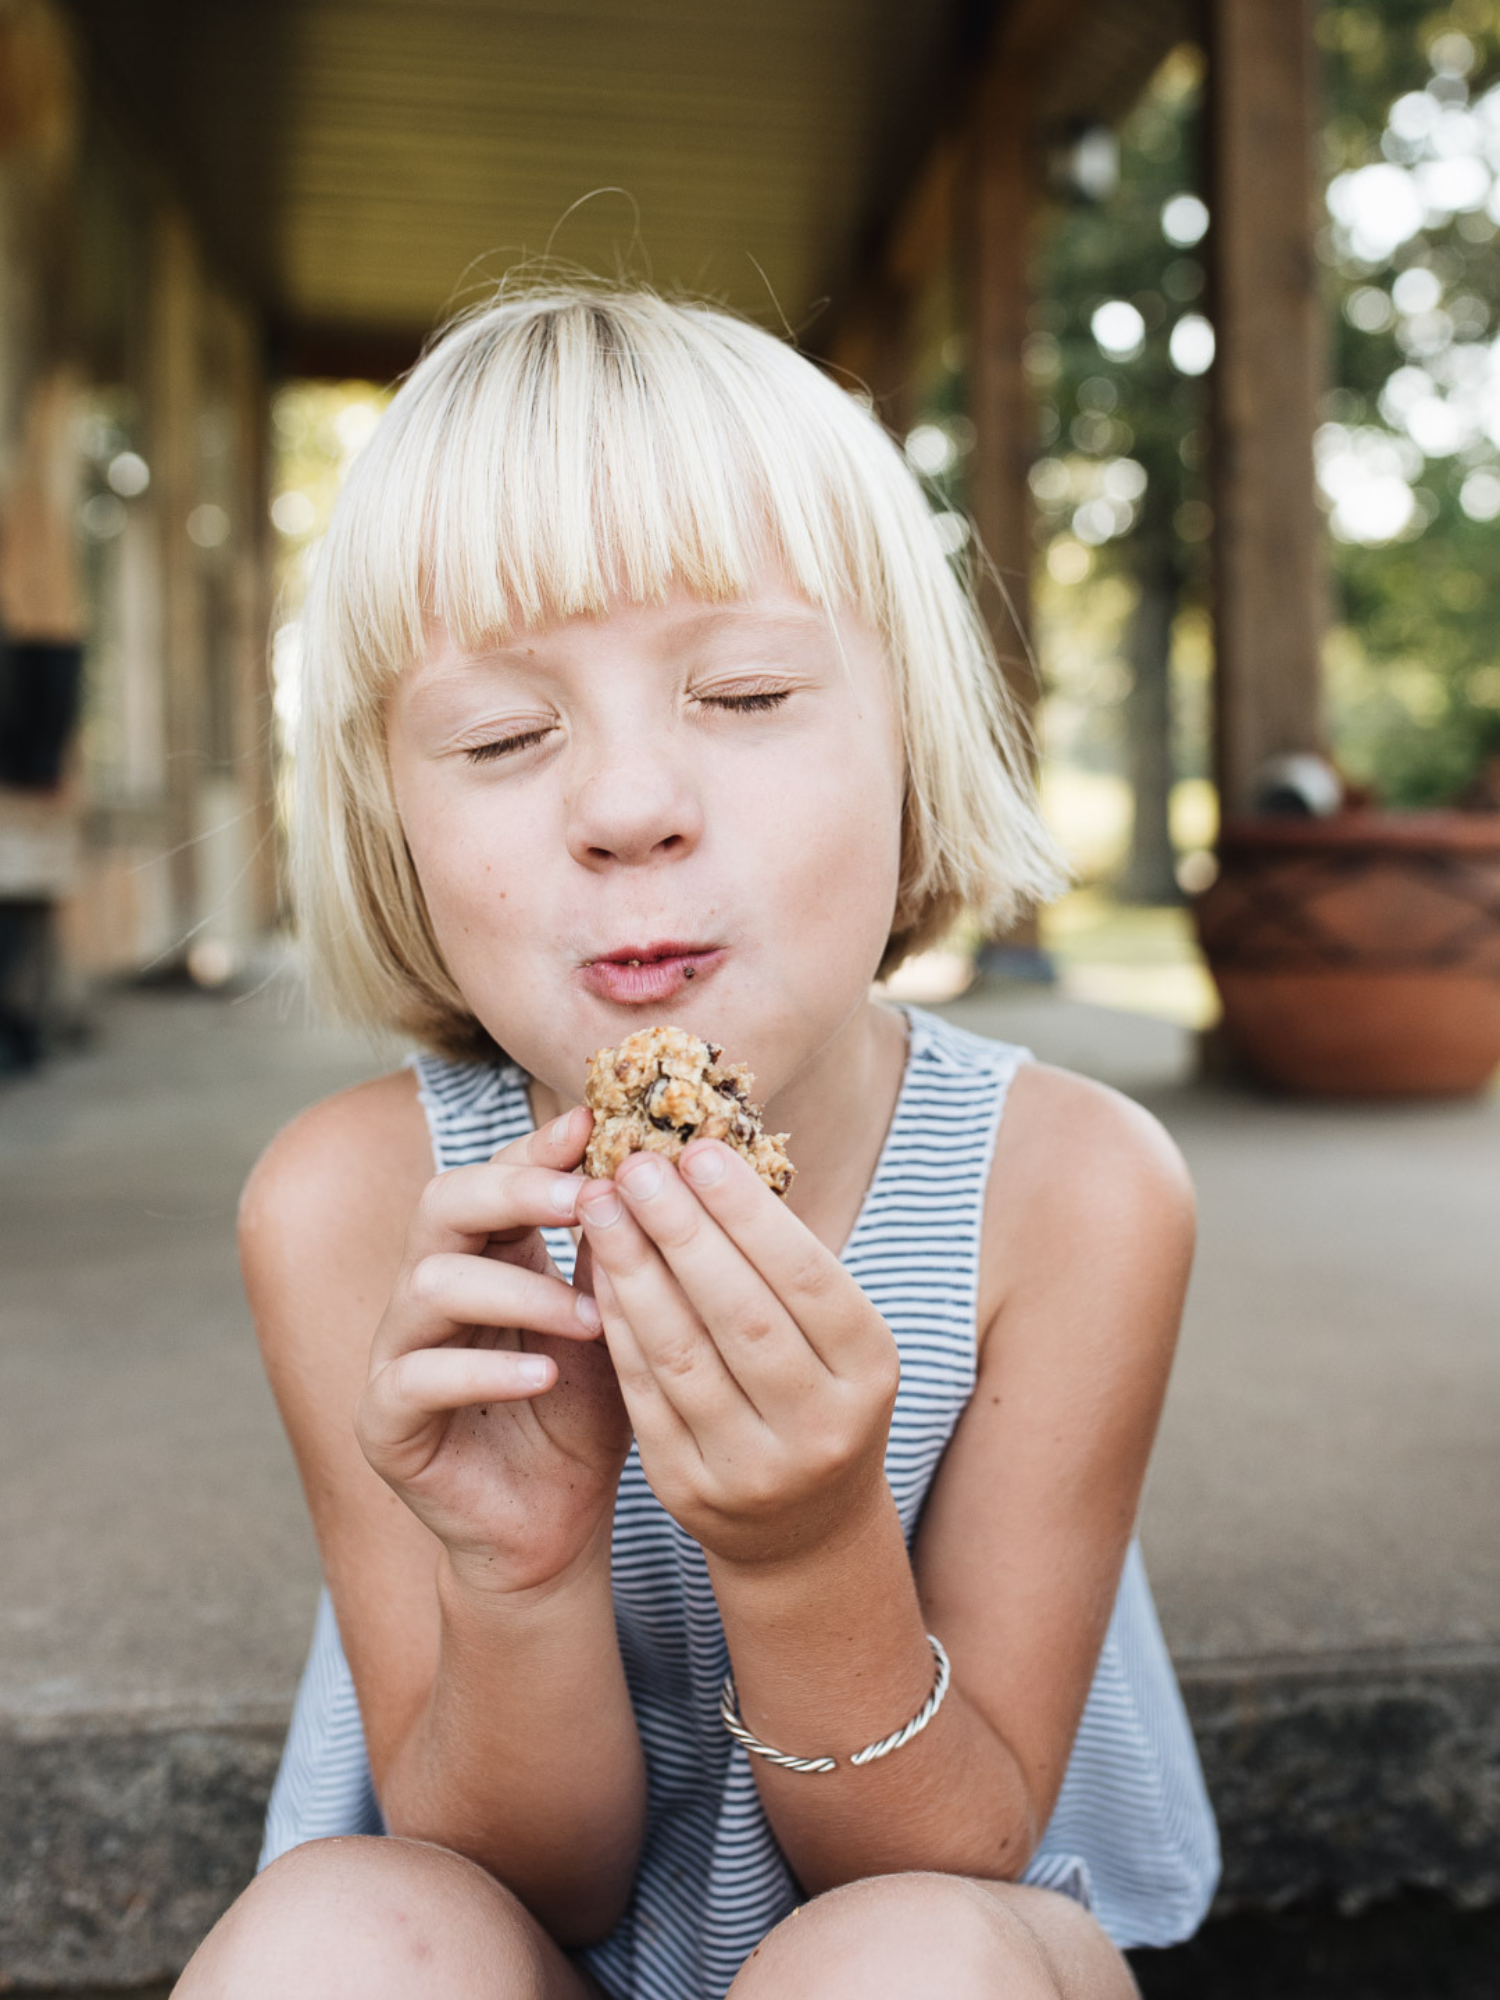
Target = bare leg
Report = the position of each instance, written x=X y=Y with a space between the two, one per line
x=379 y=1919
x=908 y=1937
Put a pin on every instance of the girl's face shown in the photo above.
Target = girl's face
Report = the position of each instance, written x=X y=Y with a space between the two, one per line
x=683 y=812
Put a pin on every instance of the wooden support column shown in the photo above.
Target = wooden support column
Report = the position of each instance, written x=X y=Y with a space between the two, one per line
x=1000 y=201
x=174 y=399
x=256 y=594
x=891 y=366
x=874 y=348
x=1269 y=538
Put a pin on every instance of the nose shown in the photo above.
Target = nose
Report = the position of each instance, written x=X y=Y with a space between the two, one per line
x=636 y=803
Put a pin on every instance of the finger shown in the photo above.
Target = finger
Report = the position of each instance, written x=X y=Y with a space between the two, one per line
x=811 y=1283
x=583 y=1286
x=399 y=1403
x=670 y=1337
x=468 y=1206
x=559 y=1144
x=446 y=1294
x=658 y=1428
x=762 y=1345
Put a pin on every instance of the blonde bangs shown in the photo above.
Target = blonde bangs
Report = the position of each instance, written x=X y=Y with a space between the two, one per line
x=568 y=445
x=551 y=455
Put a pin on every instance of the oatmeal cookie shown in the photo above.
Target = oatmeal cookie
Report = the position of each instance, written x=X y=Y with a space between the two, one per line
x=662 y=1088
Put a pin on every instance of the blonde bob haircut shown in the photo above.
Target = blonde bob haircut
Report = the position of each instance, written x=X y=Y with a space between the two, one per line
x=564 y=444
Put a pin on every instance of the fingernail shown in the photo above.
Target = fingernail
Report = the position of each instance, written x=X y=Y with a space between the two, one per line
x=642 y=1176
x=532 y=1370
x=588 y=1312
x=559 y=1129
x=601 y=1209
x=563 y=1195
x=704 y=1167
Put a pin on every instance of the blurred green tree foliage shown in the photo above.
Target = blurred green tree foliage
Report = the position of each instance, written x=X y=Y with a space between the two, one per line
x=1409 y=449
x=1412 y=142
x=1117 y=359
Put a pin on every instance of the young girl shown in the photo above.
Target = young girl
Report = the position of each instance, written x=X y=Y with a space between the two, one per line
x=639 y=690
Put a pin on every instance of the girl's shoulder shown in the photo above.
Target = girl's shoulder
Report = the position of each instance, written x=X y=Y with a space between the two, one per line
x=322 y=1232
x=371 y=1138
x=1080 y=1171
x=337 y=1185
x=1065 y=1125
x=1061 y=1138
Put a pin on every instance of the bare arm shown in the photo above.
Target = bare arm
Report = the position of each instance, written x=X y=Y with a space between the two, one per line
x=1018 y=1555
x=493 y=1698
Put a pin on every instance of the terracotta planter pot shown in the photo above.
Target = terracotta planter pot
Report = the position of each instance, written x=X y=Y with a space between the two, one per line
x=1359 y=956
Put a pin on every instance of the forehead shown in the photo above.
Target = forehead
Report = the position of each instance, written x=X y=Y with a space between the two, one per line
x=770 y=619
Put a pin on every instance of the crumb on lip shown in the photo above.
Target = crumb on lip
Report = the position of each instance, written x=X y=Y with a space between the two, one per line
x=663 y=1087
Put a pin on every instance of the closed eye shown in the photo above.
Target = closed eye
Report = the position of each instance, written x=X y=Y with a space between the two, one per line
x=768 y=698
x=506 y=746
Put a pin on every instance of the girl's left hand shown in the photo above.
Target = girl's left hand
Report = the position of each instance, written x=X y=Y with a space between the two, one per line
x=759 y=1378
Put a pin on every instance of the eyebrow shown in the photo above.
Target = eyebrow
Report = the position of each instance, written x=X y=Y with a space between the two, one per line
x=728 y=617
x=700 y=623
x=692 y=624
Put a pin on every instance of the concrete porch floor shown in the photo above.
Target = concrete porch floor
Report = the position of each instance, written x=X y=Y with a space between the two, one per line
x=1322 y=1523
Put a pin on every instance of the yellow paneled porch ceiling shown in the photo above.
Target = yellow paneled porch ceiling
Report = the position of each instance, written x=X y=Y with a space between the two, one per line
x=745 y=139
x=356 y=163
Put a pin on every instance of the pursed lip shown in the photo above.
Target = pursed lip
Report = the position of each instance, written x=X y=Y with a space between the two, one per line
x=635 y=975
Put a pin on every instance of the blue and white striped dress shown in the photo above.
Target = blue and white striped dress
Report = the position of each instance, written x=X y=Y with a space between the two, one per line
x=1132 y=1835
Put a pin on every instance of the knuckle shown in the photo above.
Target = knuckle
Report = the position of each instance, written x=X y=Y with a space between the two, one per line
x=751 y=1326
x=760 y=1488
x=364 y=1410
x=432 y=1202
x=444 y=1197
x=427 y=1284
x=677 y=1356
x=518 y=1150
x=634 y=1377
x=679 y=1497
x=678 y=1226
x=885 y=1374
x=390 y=1388
x=629 y=1254
x=809 y=1277
x=833 y=1446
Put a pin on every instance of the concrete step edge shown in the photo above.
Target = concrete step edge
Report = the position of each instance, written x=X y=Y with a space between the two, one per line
x=128 y=1829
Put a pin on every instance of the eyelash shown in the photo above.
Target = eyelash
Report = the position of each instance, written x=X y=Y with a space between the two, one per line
x=742 y=703
x=506 y=746
x=486 y=753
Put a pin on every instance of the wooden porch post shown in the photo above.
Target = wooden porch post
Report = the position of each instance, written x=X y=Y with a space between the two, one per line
x=1001 y=197
x=873 y=347
x=1269 y=544
x=174 y=356
x=1000 y=204
x=892 y=359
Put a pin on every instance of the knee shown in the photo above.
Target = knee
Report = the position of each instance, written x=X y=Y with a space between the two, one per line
x=364 y=1917
x=902 y=1936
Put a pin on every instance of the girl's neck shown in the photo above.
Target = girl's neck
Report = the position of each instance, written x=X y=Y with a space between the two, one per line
x=838 y=1110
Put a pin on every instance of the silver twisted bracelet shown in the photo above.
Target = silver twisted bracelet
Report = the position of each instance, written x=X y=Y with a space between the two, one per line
x=730 y=1717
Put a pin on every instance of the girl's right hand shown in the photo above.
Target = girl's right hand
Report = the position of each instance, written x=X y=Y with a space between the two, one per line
x=491 y=1407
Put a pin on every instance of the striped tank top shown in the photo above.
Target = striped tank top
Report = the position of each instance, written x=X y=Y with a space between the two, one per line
x=1132 y=1835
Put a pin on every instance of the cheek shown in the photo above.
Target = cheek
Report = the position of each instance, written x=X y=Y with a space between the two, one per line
x=833 y=833
x=472 y=865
